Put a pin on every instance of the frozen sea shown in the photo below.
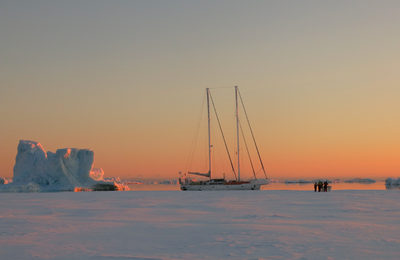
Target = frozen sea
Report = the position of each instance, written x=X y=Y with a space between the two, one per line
x=171 y=224
x=379 y=185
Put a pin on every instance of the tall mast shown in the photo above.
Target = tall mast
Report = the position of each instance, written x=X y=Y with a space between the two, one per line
x=209 y=132
x=237 y=131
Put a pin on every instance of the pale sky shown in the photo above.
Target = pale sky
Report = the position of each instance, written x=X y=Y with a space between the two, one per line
x=320 y=79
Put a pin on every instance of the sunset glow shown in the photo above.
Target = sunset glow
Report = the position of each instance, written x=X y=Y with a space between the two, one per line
x=126 y=79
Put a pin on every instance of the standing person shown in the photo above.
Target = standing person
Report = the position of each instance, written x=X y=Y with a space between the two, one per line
x=325 y=186
x=320 y=186
x=315 y=186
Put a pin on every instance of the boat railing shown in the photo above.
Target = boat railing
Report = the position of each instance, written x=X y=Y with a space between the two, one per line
x=212 y=182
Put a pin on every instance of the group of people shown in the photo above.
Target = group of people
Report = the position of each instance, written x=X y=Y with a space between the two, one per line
x=319 y=185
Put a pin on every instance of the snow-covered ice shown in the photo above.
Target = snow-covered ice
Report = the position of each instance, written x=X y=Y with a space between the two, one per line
x=356 y=180
x=266 y=224
x=359 y=180
x=274 y=181
x=392 y=181
x=66 y=169
x=302 y=181
x=4 y=181
x=299 y=181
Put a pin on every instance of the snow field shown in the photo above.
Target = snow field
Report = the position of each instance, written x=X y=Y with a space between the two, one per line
x=201 y=225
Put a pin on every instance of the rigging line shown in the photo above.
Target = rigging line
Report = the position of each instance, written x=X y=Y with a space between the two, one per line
x=223 y=137
x=217 y=148
x=258 y=152
x=194 y=140
x=247 y=149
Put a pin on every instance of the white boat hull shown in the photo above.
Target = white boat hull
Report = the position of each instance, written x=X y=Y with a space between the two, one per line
x=218 y=187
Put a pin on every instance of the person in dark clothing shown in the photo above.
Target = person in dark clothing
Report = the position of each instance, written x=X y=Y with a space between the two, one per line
x=325 y=186
x=320 y=186
x=315 y=186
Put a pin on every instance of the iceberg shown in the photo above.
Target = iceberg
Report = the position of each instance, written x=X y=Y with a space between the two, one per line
x=4 y=181
x=356 y=180
x=301 y=181
x=392 y=181
x=274 y=181
x=359 y=180
x=69 y=169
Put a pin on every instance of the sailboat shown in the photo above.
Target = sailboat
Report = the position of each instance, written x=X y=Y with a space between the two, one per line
x=188 y=184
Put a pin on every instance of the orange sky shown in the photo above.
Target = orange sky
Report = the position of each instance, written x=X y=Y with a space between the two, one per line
x=320 y=81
